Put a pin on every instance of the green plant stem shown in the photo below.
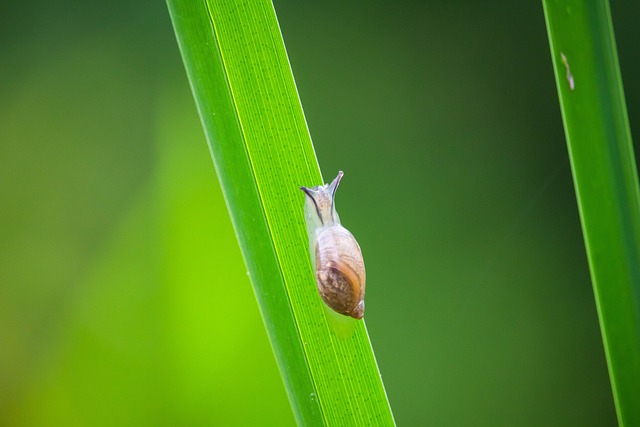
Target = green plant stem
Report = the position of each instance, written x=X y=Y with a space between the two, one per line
x=249 y=107
x=605 y=177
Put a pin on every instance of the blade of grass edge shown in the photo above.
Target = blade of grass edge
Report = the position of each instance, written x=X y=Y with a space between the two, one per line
x=605 y=177
x=249 y=107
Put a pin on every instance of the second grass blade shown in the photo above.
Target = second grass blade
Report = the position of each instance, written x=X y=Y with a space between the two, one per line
x=605 y=177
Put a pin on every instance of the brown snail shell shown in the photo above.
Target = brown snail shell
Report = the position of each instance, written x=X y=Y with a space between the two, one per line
x=335 y=253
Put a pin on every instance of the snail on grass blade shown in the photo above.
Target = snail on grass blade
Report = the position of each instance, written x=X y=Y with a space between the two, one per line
x=335 y=254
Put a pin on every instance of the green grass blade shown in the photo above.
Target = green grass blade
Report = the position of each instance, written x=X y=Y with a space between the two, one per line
x=248 y=103
x=605 y=176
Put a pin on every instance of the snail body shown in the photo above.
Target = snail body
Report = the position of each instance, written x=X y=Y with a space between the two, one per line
x=335 y=254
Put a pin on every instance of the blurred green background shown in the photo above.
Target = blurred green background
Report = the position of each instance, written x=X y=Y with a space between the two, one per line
x=123 y=295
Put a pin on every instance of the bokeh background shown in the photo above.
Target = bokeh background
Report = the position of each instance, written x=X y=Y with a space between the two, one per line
x=123 y=296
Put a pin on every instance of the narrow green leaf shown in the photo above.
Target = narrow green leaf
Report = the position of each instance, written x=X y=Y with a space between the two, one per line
x=248 y=103
x=605 y=176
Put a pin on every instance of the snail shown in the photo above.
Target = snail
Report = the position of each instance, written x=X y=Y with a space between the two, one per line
x=335 y=254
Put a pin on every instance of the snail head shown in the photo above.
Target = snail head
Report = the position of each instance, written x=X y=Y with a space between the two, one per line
x=322 y=198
